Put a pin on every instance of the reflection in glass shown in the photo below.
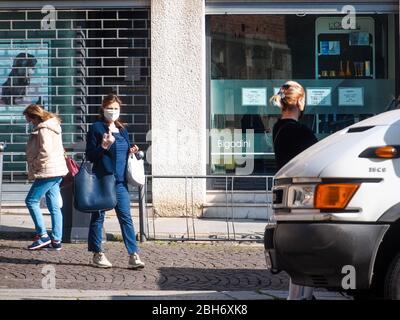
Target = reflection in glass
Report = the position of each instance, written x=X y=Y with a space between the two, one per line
x=14 y=89
x=263 y=51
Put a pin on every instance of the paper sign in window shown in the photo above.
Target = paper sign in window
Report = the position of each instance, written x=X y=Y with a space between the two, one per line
x=319 y=97
x=351 y=96
x=254 y=96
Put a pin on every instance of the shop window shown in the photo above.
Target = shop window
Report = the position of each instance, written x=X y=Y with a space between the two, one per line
x=349 y=75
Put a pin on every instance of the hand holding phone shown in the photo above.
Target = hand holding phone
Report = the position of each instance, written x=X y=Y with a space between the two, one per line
x=108 y=140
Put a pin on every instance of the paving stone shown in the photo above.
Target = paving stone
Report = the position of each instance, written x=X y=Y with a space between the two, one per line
x=169 y=266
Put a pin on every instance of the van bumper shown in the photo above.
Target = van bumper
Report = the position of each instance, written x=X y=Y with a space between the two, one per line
x=314 y=254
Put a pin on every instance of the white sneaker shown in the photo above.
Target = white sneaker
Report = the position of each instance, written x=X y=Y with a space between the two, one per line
x=135 y=262
x=100 y=260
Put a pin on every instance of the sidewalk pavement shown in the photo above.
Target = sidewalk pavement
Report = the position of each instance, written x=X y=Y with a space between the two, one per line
x=73 y=294
x=175 y=270
x=159 y=228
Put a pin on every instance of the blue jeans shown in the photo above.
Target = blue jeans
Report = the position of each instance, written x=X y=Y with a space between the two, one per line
x=123 y=210
x=51 y=188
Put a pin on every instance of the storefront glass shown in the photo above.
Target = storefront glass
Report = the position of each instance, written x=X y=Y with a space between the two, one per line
x=348 y=74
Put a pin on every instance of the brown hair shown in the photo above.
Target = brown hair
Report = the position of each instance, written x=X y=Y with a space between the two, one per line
x=36 y=111
x=109 y=99
x=288 y=96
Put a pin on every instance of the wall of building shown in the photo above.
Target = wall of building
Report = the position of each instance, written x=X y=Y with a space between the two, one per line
x=178 y=145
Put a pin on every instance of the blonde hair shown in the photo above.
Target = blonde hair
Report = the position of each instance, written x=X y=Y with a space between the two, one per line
x=36 y=111
x=288 y=96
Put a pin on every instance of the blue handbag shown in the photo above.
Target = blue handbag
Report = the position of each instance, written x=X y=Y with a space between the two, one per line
x=93 y=193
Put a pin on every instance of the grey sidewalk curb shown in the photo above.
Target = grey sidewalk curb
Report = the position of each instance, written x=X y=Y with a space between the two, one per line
x=112 y=236
x=73 y=294
x=18 y=227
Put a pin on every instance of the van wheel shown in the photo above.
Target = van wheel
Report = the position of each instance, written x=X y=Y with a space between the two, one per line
x=392 y=281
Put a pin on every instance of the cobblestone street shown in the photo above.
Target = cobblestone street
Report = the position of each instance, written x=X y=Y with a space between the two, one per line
x=169 y=266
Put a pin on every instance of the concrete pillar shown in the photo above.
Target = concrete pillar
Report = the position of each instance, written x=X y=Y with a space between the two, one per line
x=178 y=116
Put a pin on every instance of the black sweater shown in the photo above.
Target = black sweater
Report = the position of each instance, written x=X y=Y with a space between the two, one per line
x=290 y=138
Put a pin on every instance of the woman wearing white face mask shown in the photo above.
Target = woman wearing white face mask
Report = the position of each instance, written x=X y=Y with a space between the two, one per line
x=108 y=147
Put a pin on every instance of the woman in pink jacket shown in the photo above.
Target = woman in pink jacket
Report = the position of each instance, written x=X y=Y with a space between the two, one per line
x=46 y=166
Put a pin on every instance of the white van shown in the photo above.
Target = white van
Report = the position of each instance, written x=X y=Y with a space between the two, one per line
x=337 y=211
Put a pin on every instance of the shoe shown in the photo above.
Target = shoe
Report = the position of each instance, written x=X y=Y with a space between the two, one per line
x=40 y=242
x=135 y=262
x=100 y=260
x=55 y=245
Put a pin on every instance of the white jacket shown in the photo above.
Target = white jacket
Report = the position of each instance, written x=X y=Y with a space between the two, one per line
x=45 y=151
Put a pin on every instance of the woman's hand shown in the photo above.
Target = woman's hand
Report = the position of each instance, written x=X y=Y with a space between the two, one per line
x=108 y=140
x=134 y=149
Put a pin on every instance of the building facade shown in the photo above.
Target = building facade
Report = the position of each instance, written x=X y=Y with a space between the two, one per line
x=195 y=77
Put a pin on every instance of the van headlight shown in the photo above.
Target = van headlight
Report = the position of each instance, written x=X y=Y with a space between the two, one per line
x=301 y=196
x=321 y=196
